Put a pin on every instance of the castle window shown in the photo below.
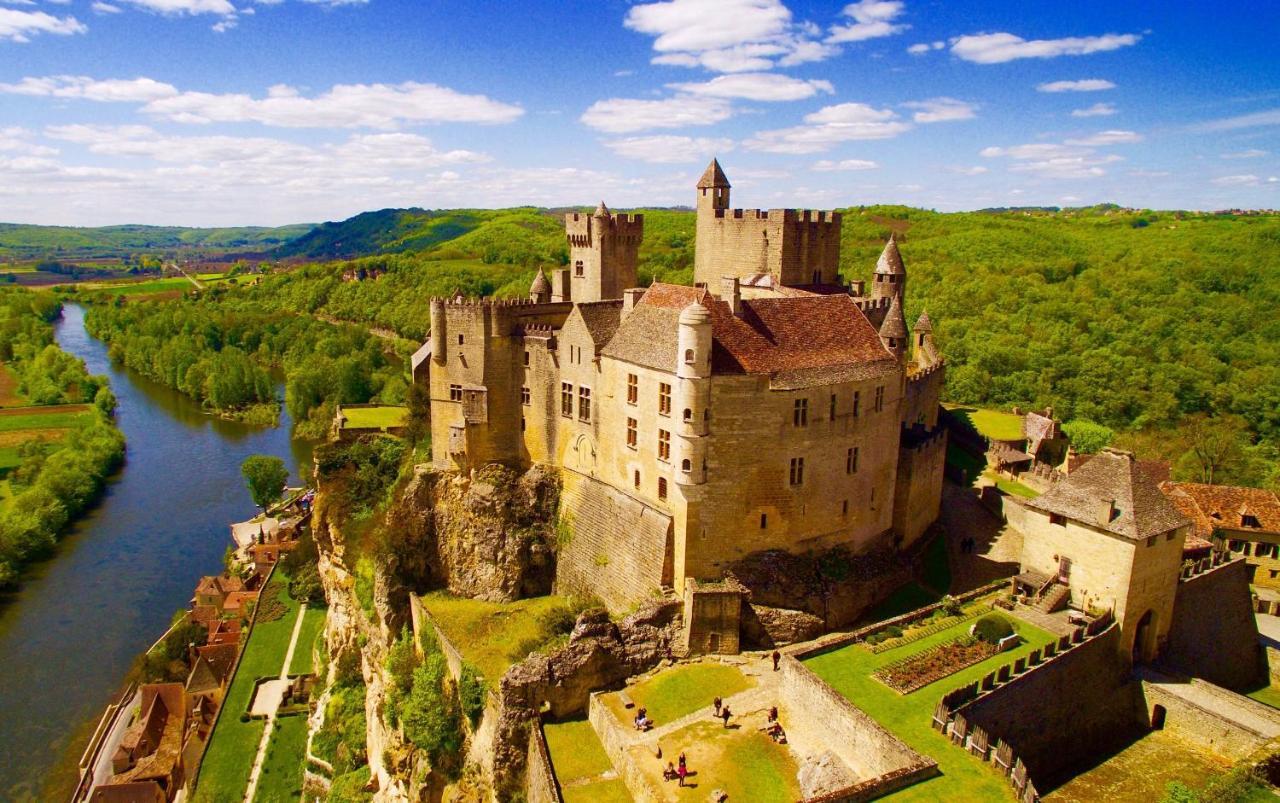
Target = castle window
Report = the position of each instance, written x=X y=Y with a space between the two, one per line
x=764 y=520
x=688 y=415
x=461 y=340
x=797 y=471
x=524 y=396
x=686 y=465
x=566 y=399
x=1057 y=519
x=857 y=403
x=844 y=508
x=662 y=487
x=526 y=359
x=817 y=277
x=851 y=461
x=578 y=269
x=664 y=399
x=633 y=388
x=800 y=413
x=832 y=415
x=636 y=479
x=455 y=393
x=688 y=356
x=631 y=433
x=522 y=424
x=879 y=398
x=584 y=404
x=664 y=445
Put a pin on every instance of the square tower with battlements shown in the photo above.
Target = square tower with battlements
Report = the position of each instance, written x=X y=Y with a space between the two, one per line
x=604 y=249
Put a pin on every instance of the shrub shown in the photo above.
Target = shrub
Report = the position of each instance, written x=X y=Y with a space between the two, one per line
x=992 y=627
x=893 y=631
x=471 y=694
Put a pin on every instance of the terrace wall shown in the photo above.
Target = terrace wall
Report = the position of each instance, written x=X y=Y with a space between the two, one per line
x=1206 y=721
x=615 y=746
x=1213 y=634
x=540 y=782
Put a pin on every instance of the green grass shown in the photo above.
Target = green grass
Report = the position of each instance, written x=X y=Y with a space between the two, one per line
x=1269 y=695
x=1012 y=487
x=375 y=417
x=490 y=634
x=614 y=791
x=993 y=424
x=281 y=778
x=966 y=461
x=746 y=764
x=576 y=752
x=15 y=423
x=303 y=654
x=233 y=745
x=849 y=669
x=680 y=691
x=9 y=458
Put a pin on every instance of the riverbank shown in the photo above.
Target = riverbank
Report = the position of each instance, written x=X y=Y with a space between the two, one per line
x=69 y=635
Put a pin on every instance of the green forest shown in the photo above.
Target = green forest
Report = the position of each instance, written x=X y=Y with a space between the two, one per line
x=1158 y=325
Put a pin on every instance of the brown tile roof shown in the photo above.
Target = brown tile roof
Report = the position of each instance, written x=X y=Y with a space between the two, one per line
x=601 y=319
x=221 y=657
x=132 y=792
x=890 y=260
x=219 y=584
x=236 y=600
x=798 y=342
x=923 y=324
x=202 y=678
x=713 y=176
x=1213 y=506
x=894 y=324
x=1139 y=509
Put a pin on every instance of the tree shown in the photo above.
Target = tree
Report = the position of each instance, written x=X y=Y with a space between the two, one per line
x=1216 y=443
x=266 y=476
x=1088 y=437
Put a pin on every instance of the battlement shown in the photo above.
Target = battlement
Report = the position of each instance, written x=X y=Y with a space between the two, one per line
x=780 y=215
x=620 y=224
x=920 y=440
x=1192 y=570
x=867 y=304
x=920 y=375
x=484 y=301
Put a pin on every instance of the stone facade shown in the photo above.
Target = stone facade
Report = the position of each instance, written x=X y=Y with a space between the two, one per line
x=768 y=408
x=1214 y=635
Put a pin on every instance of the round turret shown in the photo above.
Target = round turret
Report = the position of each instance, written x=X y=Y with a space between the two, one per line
x=540 y=290
x=695 y=314
x=923 y=324
x=601 y=210
x=893 y=332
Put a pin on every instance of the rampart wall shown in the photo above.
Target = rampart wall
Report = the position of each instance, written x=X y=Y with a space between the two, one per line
x=1209 y=716
x=917 y=493
x=789 y=243
x=540 y=781
x=1213 y=634
x=922 y=395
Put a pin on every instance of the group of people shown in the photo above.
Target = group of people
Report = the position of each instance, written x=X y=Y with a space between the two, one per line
x=967 y=545
x=676 y=773
x=721 y=711
x=642 y=721
x=774 y=727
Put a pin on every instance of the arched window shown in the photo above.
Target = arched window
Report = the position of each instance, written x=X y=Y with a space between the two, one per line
x=688 y=356
x=686 y=466
x=688 y=414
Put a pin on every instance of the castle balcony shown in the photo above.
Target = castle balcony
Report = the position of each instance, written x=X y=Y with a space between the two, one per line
x=457 y=440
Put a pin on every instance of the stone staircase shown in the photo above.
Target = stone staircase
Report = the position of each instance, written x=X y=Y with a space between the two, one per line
x=1054 y=599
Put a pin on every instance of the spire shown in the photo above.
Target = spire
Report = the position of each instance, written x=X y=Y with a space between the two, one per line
x=602 y=210
x=890 y=260
x=923 y=324
x=713 y=177
x=540 y=287
x=894 y=325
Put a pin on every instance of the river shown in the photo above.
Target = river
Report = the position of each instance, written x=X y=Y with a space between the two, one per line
x=70 y=632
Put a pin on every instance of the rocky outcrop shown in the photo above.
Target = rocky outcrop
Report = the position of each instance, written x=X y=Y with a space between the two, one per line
x=488 y=535
x=765 y=627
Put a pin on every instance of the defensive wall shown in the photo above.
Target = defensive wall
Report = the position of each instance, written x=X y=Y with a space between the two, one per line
x=917 y=492
x=790 y=244
x=1213 y=634
x=922 y=395
x=1219 y=720
x=540 y=784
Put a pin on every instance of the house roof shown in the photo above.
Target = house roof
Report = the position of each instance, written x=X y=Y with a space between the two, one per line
x=601 y=319
x=923 y=324
x=129 y=792
x=221 y=657
x=798 y=342
x=236 y=600
x=540 y=284
x=1210 y=507
x=219 y=584
x=1138 y=508
x=713 y=176
x=894 y=324
x=202 y=678
x=1038 y=427
x=890 y=260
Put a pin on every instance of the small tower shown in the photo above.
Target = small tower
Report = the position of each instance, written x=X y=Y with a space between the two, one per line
x=540 y=290
x=891 y=275
x=438 y=331
x=713 y=189
x=693 y=373
x=604 y=250
x=893 y=332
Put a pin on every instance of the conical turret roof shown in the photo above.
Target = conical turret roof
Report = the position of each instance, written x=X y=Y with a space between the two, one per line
x=923 y=324
x=894 y=324
x=713 y=177
x=602 y=210
x=890 y=260
x=540 y=284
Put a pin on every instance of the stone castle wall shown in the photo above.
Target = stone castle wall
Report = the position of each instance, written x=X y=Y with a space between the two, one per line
x=1214 y=635
x=917 y=495
x=613 y=546
x=603 y=254
x=1207 y=719
x=790 y=244
x=540 y=782
x=922 y=396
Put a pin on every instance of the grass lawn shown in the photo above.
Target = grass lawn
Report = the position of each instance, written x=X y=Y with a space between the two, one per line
x=379 y=417
x=745 y=763
x=43 y=420
x=233 y=745
x=9 y=458
x=281 y=779
x=1270 y=695
x=1012 y=487
x=303 y=654
x=994 y=424
x=576 y=752
x=491 y=634
x=677 y=692
x=614 y=791
x=909 y=717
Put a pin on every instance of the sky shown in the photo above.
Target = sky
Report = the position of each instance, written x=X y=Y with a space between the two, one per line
x=267 y=112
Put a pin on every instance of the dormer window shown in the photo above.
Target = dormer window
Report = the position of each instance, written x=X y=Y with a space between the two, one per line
x=1249 y=520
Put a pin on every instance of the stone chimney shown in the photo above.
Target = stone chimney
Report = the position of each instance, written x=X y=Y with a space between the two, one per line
x=731 y=294
x=631 y=297
x=1106 y=511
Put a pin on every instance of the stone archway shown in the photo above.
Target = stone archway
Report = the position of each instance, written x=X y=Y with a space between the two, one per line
x=581 y=455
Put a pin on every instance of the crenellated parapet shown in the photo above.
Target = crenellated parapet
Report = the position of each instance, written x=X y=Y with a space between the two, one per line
x=582 y=229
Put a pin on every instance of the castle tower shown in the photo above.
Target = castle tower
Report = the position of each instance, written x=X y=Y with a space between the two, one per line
x=926 y=353
x=604 y=250
x=893 y=332
x=693 y=373
x=891 y=275
x=713 y=201
x=713 y=189
x=540 y=290
x=437 y=331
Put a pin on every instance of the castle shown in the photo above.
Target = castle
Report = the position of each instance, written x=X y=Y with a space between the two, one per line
x=767 y=407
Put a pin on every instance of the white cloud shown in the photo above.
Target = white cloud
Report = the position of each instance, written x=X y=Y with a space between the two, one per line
x=18 y=140
x=1238 y=181
x=1096 y=110
x=134 y=90
x=826 y=165
x=1252 y=153
x=105 y=8
x=1269 y=117
x=872 y=19
x=757 y=86
x=996 y=48
x=20 y=26
x=343 y=106
x=1107 y=138
x=941 y=110
x=1084 y=85
x=828 y=126
x=920 y=48
x=669 y=149
x=184 y=7
x=1053 y=160
x=968 y=170
x=624 y=115
x=726 y=35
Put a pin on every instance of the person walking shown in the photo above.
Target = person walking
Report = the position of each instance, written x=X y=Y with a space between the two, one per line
x=725 y=714
x=777 y=656
x=716 y=704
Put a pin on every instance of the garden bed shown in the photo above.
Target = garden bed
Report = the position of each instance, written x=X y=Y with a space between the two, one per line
x=919 y=670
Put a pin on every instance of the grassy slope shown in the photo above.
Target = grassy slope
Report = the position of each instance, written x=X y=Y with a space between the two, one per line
x=683 y=690
x=489 y=634
x=281 y=779
x=304 y=654
x=963 y=777
x=576 y=752
x=381 y=417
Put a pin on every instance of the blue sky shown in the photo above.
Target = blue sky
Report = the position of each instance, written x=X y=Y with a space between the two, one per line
x=236 y=112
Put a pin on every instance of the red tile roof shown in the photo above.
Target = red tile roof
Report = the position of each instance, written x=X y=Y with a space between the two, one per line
x=1211 y=507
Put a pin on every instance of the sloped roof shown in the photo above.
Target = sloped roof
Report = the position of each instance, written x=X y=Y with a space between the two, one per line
x=890 y=260
x=713 y=176
x=923 y=324
x=1212 y=506
x=601 y=319
x=221 y=657
x=540 y=284
x=797 y=341
x=202 y=678
x=132 y=792
x=1140 y=509
x=894 y=324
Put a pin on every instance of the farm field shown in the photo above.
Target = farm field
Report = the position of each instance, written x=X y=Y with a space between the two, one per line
x=21 y=423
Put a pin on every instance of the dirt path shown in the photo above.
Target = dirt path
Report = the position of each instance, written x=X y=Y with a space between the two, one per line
x=277 y=691
x=45 y=409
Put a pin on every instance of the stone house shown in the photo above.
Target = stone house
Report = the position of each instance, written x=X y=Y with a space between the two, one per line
x=152 y=748
x=1245 y=521
x=766 y=407
x=1106 y=536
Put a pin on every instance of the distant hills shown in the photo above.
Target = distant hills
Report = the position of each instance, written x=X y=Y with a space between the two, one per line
x=20 y=241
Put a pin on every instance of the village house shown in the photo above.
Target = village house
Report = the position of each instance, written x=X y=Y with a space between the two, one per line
x=152 y=750
x=1245 y=521
x=766 y=407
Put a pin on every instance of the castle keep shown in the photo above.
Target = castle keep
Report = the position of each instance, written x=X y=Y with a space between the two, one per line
x=767 y=407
